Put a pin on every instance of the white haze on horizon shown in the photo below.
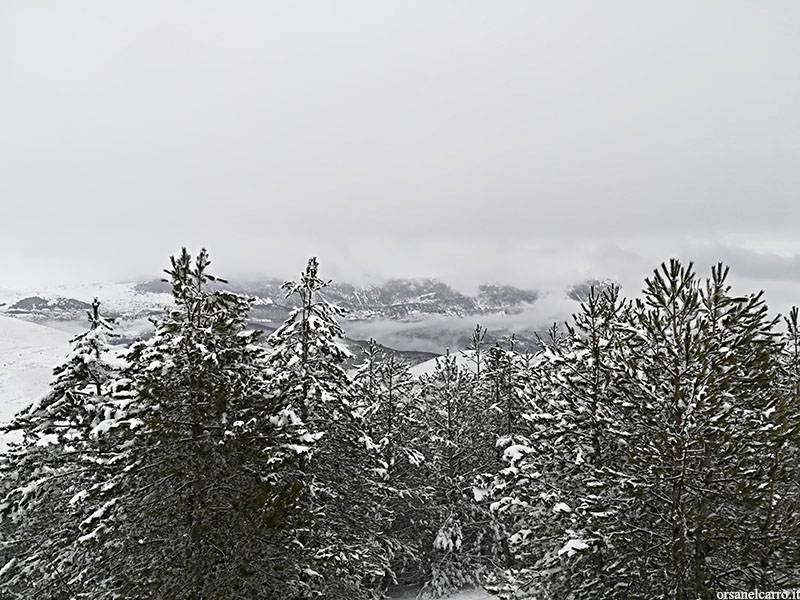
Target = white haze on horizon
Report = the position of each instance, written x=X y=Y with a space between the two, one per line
x=513 y=142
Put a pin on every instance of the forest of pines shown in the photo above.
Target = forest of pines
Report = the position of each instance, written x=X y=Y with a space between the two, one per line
x=648 y=450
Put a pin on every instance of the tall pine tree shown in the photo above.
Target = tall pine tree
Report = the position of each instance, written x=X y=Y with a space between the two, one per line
x=340 y=481
x=58 y=457
x=199 y=501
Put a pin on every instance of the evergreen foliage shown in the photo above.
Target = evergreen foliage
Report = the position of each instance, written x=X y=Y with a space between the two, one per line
x=340 y=476
x=653 y=465
x=457 y=530
x=650 y=449
x=699 y=380
x=58 y=456
x=557 y=494
x=199 y=497
x=394 y=419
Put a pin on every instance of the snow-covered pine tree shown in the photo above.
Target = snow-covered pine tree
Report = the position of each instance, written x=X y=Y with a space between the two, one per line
x=475 y=351
x=388 y=399
x=199 y=501
x=367 y=388
x=769 y=516
x=490 y=378
x=59 y=454
x=458 y=531
x=784 y=459
x=790 y=358
x=396 y=417
x=341 y=484
x=502 y=382
x=661 y=446
x=699 y=384
x=556 y=499
x=66 y=411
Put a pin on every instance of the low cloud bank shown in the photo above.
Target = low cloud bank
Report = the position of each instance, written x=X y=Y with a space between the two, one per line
x=435 y=334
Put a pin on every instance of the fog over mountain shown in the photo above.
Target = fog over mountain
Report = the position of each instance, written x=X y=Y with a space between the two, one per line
x=411 y=315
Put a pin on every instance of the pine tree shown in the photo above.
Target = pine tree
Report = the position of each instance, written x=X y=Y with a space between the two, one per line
x=340 y=481
x=492 y=379
x=502 y=383
x=700 y=386
x=90 y=366
x=777 y=517
x=556 y=498
x=391 y=413
x=58 y=456
x=389 y=400
x=659 y=459
x=458 y=531
x=199 y=501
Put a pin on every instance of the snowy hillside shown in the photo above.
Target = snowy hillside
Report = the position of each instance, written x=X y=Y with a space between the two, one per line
x=463 y=595
x=28 y=353
x=465 y=360
x=57 y=305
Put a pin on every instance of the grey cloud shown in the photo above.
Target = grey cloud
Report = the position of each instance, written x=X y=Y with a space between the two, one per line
x=434 y=334
x=512 y=141
x=753 y=264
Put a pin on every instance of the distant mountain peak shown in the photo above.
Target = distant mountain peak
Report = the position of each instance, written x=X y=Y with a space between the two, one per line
x=57 y=304
x=580 y=291
x=398 y=298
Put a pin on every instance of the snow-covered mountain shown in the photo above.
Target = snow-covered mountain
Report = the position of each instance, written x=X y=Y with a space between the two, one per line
x=580 y=291
x=414 y=315
x=407 y=299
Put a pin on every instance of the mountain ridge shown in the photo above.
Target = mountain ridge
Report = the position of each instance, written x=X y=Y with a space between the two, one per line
x=420 y=316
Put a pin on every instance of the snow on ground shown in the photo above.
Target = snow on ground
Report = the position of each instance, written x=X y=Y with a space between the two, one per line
x=465 y=358
x=462 y=595
x=472 y=595
x=116 y=298
x=28 y=353
x=119 y=297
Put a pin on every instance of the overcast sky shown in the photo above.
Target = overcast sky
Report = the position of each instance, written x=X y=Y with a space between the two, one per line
x=524 y=142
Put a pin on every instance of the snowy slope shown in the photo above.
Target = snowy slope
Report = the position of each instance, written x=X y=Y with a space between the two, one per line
x=115 y=297
x=28 y=353
x=463 y=595
x=472 y=595
x=464 y=359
